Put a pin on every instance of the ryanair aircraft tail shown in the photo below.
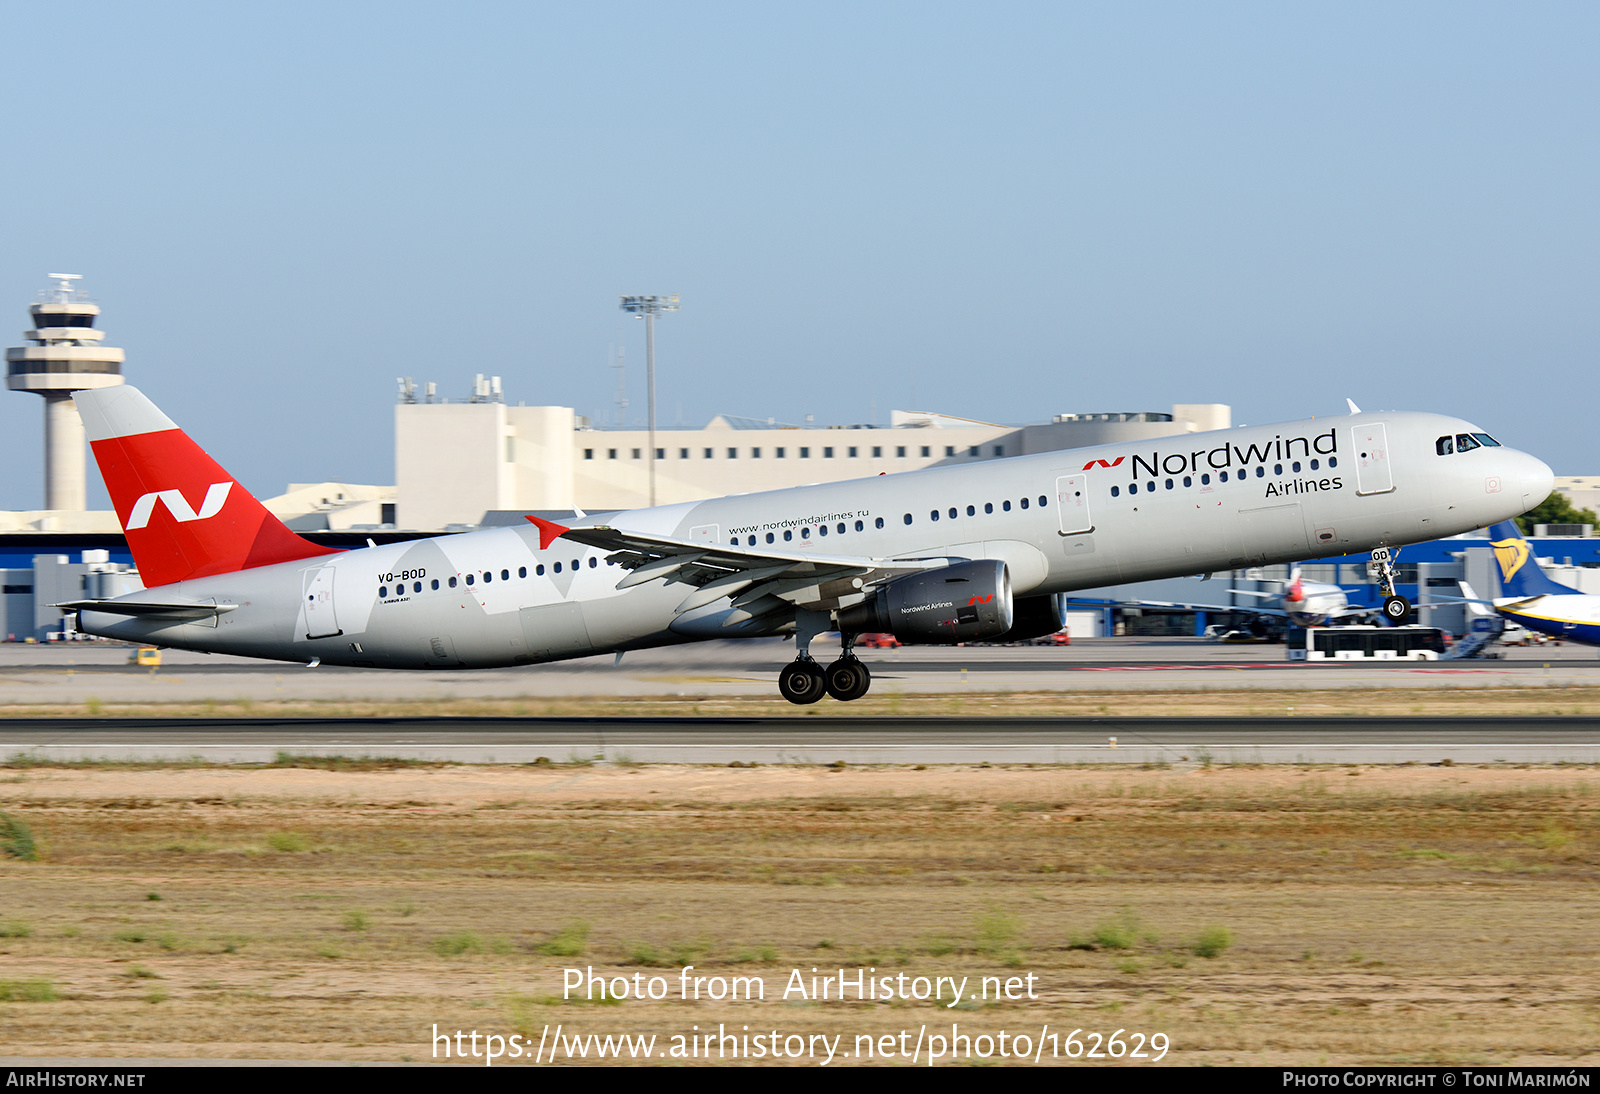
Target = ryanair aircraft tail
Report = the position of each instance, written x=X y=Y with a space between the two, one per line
x=1520 y=575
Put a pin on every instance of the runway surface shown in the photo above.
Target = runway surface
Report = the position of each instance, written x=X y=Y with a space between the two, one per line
x=80 y=673
x=818 y=740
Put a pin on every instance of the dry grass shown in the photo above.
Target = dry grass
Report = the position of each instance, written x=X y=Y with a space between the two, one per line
x=1255 y=915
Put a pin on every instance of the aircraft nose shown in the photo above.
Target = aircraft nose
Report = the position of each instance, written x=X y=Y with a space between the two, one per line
x=1533 y=477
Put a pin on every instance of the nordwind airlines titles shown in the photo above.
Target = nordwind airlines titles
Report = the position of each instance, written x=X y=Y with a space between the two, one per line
x=973 y=551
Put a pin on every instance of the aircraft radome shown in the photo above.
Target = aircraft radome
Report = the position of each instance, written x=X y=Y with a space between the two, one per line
x=973 y=551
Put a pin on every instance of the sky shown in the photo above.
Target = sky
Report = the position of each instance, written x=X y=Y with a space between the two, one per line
x=1001 y=211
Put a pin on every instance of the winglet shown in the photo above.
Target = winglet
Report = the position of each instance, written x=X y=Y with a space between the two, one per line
x=549 y=531
x=1351 y=403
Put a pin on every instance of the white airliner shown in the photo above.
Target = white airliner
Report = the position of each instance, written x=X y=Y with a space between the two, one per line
x=942 y=555
x=1303 y=603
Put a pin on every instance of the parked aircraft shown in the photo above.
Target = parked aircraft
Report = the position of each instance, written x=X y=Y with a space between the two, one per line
x=974 y=550
x=1534 y=600
x=1303 y=603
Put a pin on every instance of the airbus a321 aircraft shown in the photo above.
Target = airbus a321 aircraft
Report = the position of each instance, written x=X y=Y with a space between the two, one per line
x=941 y=555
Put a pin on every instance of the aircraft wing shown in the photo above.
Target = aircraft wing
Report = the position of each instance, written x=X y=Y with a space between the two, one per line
x=748 y=575
x=1248 y=609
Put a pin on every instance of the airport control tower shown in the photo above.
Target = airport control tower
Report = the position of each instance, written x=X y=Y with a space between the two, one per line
x=66 y=356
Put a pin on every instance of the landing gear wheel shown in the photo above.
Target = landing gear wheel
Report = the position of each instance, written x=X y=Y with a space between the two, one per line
x=801 y=682
x=847 y=679
x=1396 y=608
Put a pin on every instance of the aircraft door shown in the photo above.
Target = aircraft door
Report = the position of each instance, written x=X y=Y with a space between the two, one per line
x=320 y=620
x=1373 y=475
x=1072 y=504
x=704 y=533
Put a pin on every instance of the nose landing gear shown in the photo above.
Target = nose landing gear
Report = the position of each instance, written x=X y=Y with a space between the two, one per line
x=1396 y=608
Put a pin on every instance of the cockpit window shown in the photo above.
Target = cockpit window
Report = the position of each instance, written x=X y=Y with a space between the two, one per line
x=1444 y=446
x=1465 y=443
x=1486 y=440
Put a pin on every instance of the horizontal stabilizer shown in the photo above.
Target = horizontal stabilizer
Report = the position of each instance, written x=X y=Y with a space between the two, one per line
x=146 y=607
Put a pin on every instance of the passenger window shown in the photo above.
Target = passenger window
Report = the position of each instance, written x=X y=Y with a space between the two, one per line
x=770 y=537
x=1044 y=499
x=452 y=583
x=470 y=579
x=879 y=522
x=1006 y=505
x=574 y=564
x=822 y=529
x=1224 y=476
x=1115 y=491
x=988 y=507
x=1169 y=484
x=505 y=575
x=383 y=592
x=488 y=576
x=1314 y=465
x=1277 y=469
x=593 y=562
x=933 y=514
x=554 y=569
x=1187 y=481
x=861 y=525
x=416 y=586
x=972 y=510
x=1024 y=503
x=1465 y=443
x=842 y=528
x=751 y=543
x=1261 y=472
x=1333 y=461
x=435 y=584
x=1295 y=467
x=805 y=533
x=1205 y=480
x=522 y=571
x=538 y=571
x=952 y=512
x=788 y=534
x=908 y=518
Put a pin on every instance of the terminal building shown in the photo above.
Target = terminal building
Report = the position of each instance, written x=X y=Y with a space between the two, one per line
x=461 y=464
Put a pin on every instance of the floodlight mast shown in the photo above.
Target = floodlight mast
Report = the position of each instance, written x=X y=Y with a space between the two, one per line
x=647 y=308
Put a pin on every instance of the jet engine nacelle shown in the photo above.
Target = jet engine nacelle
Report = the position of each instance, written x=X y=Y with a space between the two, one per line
x=970 y=600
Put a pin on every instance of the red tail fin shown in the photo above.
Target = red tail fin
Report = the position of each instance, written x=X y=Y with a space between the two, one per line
x=184 y=516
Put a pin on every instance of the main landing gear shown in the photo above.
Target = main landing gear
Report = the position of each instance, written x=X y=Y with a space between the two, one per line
x=1396 y=608
x=803 y=681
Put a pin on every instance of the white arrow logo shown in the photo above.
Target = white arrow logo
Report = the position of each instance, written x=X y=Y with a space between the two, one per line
x=216 y=495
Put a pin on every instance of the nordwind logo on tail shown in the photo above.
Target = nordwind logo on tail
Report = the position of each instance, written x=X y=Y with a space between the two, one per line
x=1510 y=554
x=178 y=506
